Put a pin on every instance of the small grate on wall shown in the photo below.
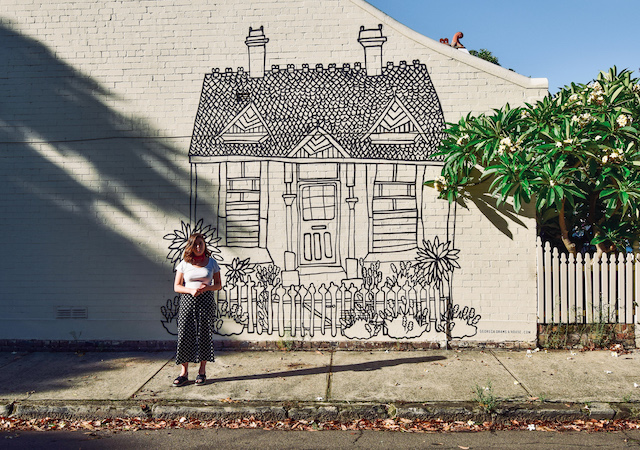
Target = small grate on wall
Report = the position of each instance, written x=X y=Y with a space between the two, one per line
x=64 y=312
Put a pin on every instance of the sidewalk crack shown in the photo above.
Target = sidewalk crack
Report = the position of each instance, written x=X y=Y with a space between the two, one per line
x=510 y=373
x=150 y=378
x=329 y=377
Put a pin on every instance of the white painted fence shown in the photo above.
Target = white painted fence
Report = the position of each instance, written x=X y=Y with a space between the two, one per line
x=584 y=289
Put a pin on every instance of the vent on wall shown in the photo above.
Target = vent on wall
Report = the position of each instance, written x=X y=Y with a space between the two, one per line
x=66 y=312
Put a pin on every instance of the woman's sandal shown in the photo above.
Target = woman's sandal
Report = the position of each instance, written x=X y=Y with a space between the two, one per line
x=180 y=381
x=201 y=379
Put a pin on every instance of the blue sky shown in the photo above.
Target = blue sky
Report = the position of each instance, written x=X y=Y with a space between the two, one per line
x=562 y=40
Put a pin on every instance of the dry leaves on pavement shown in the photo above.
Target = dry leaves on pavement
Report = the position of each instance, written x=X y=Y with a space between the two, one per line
x=399 y=425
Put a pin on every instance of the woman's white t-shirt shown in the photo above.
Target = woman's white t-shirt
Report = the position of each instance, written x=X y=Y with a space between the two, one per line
x=194 y=276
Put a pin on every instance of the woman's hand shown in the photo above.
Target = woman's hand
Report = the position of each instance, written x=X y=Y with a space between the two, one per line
x=202 y=288
x=180 y=288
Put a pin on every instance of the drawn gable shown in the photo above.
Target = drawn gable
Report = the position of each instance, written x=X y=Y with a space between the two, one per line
x=394 y=126
x=247 y=128
x=319 y=144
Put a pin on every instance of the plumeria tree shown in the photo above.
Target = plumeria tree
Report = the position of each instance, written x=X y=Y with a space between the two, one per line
x=575 y=154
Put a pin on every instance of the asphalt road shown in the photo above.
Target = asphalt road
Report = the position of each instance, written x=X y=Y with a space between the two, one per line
x=263 y=440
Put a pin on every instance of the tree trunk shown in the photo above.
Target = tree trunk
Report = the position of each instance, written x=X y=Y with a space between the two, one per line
x=603 y=248
x=564 y=232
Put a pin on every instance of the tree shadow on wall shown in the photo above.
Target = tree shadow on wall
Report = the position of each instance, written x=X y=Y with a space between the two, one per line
x=84 y=189
x=502 y=216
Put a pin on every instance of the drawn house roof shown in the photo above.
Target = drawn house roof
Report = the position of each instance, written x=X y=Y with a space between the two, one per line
x=320 y=113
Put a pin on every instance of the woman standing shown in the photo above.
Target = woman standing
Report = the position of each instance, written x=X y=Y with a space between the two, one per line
x=197 y=276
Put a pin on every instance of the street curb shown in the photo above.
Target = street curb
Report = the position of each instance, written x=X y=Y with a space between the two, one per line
x=323 y=411
x=219 y=412
x=77 y=411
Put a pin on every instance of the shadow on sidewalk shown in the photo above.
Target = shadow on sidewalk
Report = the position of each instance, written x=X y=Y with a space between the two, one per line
x=361 y=367
x=76 y=375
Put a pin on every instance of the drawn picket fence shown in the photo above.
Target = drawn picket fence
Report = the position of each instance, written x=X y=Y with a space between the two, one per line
x=299 y=311
x=585 y=289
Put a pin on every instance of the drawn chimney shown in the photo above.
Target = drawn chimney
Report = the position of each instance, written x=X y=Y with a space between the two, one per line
x=256 y=43
x=372 y=40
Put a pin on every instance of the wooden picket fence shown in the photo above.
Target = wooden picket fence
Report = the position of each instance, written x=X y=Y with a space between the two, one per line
x=584 y=289
x=300 y=311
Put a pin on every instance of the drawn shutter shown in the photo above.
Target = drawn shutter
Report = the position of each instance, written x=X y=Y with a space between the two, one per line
x=395 y=211
x=243 y=211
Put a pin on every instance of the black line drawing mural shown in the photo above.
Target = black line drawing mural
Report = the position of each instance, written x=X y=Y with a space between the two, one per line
x=170 y=313
x=180 y=237
x=319 y=176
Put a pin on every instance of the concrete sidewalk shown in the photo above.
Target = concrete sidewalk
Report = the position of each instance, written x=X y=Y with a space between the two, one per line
x=327 y=385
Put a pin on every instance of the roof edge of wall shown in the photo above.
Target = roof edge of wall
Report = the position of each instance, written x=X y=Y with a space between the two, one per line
x=450 y=52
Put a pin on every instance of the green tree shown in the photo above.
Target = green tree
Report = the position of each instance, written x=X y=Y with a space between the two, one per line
x=486 y=55
x=575 y=154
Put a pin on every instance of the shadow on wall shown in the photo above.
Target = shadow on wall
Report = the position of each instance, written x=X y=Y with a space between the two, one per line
x=501 y=216
x=87 y=193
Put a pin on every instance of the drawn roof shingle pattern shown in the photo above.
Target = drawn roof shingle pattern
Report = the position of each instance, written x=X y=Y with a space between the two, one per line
x=344 y=102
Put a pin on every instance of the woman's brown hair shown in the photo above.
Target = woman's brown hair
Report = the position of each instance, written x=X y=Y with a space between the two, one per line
x=188 y=250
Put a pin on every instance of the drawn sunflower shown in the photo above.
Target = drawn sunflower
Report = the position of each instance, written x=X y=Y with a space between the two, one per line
x=436 y=261
x=180 y=237
x=239 y=270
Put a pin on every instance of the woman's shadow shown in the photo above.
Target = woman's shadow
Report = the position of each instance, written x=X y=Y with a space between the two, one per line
x=327 y=369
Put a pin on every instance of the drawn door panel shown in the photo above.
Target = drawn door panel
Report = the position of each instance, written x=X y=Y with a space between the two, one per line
x=318 y=225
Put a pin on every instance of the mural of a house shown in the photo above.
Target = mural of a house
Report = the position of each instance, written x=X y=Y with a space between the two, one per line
x=325 y=139
x=321 y=170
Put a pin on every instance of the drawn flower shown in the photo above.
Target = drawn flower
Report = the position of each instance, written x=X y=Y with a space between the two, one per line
x=180 y=237
x=436 y=261
x=170 y=313
x=269 y=275
x=238 y=270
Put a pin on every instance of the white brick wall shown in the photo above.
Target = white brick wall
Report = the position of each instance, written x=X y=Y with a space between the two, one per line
x=98 y=104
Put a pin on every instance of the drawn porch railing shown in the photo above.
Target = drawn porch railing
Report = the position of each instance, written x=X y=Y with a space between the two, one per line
x=301 y=311
x=584 y=289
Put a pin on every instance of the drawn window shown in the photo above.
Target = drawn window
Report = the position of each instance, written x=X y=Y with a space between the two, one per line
x=243 y=204
x=318 y=202
x=395 y=212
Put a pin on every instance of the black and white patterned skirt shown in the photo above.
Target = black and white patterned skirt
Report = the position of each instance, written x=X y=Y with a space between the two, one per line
x=195 y=328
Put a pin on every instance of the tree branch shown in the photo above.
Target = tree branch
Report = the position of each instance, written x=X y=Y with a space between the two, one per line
x=564 y=232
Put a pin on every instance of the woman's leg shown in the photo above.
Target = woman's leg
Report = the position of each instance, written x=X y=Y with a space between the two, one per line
x=184 y=370
x=187 y=331
x=203 y=369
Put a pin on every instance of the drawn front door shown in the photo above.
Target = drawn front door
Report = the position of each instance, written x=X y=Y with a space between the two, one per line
x=318 y=224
